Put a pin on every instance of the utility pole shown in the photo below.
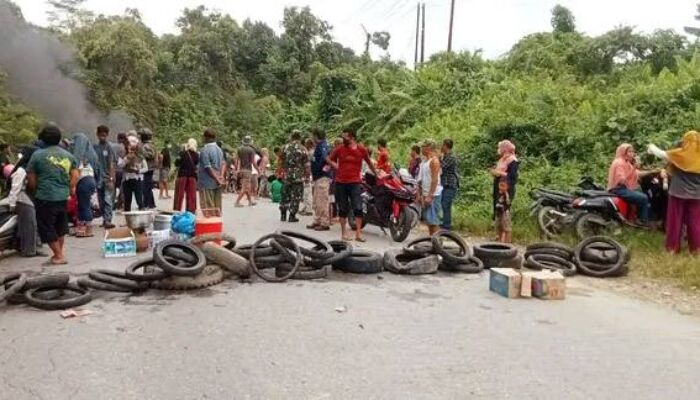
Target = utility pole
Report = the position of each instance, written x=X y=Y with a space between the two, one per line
x=422 y=42
x=415 y=57
x=452 y=18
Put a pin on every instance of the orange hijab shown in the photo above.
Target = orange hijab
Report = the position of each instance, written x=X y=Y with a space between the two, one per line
x=622 y=171
x=687 y=157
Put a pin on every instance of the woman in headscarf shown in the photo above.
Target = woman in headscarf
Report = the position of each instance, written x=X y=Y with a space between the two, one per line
x=683 y=193
x=507 y=167
x=623 y=181
x=186 y=184
x=133 y=166
x=88 y=165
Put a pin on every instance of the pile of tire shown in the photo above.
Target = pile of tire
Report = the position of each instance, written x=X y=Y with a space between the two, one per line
x=550 y=256
x=428 y=254
x=498 y=255
x=45 y=292
x=602 y=257
x=278 y=257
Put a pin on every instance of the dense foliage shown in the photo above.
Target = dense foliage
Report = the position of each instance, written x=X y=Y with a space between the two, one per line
x=566 y=99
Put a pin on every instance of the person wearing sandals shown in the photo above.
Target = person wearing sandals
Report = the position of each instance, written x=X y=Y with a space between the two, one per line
x=89 y=168
x=52 y=176
x=347 y=161
x=430 y=186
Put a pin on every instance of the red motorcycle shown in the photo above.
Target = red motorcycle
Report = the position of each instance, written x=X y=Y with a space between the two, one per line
x=388 y=201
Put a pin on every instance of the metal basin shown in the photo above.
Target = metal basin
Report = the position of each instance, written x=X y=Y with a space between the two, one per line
x=139 y=219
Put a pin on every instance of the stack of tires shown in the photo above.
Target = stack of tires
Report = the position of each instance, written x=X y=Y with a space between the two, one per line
x=550 y=256
x=278 y=257
x=45 y=292
x=444 y=251
x=602 y=257
x=498 y=255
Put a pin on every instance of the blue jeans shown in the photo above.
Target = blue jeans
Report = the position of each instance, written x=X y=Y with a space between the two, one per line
x=86 y=188
x=448 y=197
x=431 y=212
x=106 y=197
x=636 y=198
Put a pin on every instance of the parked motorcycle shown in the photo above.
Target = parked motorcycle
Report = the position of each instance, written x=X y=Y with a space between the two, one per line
x=388 y=202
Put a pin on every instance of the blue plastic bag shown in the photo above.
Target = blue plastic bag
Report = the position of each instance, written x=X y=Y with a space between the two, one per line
x=183 y=223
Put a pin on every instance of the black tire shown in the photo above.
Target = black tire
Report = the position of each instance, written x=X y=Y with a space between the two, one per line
x=549 y=262
x=360 y=262
x=82 y=296
x=226 y=259
x=342 y=251
x=589 y=225
x=53 y=280
x=448 y=257
x=402 y=228
x=245 y=250
x=210 y=275
x=622 y=271
x=514 y=263
x=156 y=273
x=492 y=253
x=20 y=280
x=604 y=270
x=321 y=251
x=553 y=248
x=116 y=278
x=303 y=273
x=398 y=262
x=474 y=266
x=180 y=256
x=421 y=246
x=215 y=237
x=89 y=283
x=269 y=278
x=180 y=269
x=603 y=254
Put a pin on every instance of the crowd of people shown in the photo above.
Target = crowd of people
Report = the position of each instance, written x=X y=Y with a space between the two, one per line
x=59 y=180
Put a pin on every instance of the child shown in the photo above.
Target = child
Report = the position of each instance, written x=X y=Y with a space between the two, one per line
x=504 y=225
x=275 y=189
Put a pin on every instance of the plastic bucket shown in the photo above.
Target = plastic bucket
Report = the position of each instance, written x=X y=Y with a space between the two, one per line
x=162 y=222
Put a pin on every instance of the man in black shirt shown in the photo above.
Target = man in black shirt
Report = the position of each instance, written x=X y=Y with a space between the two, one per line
x=450 y=182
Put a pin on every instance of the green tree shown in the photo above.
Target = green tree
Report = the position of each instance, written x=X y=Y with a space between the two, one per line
x=563 y=20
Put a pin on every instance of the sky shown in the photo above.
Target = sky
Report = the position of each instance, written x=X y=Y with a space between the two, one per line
x=492 y=26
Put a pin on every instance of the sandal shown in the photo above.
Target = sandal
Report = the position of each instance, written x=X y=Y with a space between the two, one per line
x=360 y=239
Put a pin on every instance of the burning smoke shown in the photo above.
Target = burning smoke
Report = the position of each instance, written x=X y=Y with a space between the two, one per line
x=35 y=63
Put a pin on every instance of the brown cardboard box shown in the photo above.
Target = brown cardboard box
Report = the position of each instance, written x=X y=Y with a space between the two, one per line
x=549 y=285
x=505 y=281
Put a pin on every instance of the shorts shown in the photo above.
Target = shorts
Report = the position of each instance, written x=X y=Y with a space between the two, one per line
x=210 y=199
x=244 y=180
x=504 y=222
x=163 y=175
x=348 y=197
x=431 y=212
x=51 y=219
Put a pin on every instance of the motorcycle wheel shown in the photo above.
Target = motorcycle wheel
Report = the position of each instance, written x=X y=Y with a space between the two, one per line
x=589 y=225
x=549 y=222
x=402 y=228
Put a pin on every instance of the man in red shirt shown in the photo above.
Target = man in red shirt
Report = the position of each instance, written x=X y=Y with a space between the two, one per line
x=347 y=161
x=383 y=159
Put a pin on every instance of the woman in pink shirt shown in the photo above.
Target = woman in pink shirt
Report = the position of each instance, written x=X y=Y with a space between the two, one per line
x=623 y=181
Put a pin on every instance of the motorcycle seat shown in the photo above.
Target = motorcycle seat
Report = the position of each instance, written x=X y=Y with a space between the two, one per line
x=596 y=193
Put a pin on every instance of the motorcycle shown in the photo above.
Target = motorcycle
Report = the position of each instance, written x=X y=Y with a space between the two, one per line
x=388 y=201
x=8 y=227
x=553 y=211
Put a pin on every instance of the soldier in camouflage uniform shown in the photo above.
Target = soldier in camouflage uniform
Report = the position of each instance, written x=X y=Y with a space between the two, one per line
x=296 y=168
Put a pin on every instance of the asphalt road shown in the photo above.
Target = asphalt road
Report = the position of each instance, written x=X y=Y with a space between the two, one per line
x=434 y=337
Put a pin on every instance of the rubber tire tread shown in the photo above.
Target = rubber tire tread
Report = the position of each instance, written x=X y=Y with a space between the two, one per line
x=268 y=278
x=549 y=262
x=165 y=265
x=130 y=271
x=115 y=278
x=361 y=262
x=34 y=282
x=89 y=283
x=447 y=257
x=81 y=299
x=211 y=275
x=21 y=281
x=474 y=266
x=606 y=270
x=303 y=273
x=421 y=251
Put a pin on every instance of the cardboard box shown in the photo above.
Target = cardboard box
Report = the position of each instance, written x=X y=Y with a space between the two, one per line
x=549 y=285
x=526 y=285
x=505 y=281
x=119 y=242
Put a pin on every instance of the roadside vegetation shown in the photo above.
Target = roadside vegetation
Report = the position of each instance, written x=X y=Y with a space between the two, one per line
x=567 y=100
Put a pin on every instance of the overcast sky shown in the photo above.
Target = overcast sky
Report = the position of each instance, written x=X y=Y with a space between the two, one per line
x=491 y=25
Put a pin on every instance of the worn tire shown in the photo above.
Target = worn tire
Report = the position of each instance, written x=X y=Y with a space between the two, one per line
x=550 y=262
x=551 y=248
x=474 y=266
x=53 y=280
x=20 y=282
x=89 y=283
x=303 y=273
x=271 y=237
x=117 y=279
x=34 y=299
x=360 y=262
x=321 y=251
x=210 y=275
x=226 y=259
x=263 y=251
x=179 y=269
x=398 y=262
x=601 y=270
x=421 y=246
x=156 y=274
x=514 y=263
x=342 y=251
x=215 y=237
x=491 y=254
x=447 y=256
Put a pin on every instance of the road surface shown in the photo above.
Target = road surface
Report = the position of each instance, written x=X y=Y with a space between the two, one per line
x=433 y=337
